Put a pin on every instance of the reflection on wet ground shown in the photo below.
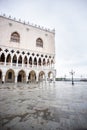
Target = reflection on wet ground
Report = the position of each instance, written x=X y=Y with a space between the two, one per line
x=50 y=106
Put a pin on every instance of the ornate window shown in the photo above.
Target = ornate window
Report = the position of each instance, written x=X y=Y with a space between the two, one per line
x=20 y=60
x=15 y=37
x=39 y=42
x=30 y=61
x=39 y=61
x=35 y=61
x=8 y=58
x=14 y=60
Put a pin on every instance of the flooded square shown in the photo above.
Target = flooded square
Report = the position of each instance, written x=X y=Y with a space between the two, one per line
x=43 y=106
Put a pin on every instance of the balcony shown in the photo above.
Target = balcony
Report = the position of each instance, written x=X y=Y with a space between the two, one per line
x=28 y=66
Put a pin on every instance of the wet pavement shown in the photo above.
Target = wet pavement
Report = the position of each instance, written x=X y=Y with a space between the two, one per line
x=58 y=106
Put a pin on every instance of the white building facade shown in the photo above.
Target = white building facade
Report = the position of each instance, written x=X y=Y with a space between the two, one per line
x=27 y=52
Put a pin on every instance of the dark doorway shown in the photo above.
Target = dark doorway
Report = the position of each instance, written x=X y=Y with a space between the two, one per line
x=19 y=78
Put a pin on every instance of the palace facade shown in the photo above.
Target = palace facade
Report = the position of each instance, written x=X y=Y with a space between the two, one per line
x=27 y=52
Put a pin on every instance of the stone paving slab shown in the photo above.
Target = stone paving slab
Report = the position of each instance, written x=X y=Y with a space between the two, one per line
x=58 y=106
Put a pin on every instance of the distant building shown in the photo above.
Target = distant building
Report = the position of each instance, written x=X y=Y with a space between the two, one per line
x=27 y=52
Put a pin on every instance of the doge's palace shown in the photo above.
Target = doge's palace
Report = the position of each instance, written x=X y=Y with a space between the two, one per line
x=27 y=52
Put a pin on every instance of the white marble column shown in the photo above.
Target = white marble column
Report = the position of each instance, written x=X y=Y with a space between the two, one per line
x=26 y=78
x=15 y=78
x=17 y=62
x=11 y=61
x=5 y=61
x=3 y=78
x=54 y=76
x=23 y=62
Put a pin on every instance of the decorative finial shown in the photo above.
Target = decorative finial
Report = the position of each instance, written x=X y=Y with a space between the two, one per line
x=4 y=15
x=19 y=20
x=9 y=16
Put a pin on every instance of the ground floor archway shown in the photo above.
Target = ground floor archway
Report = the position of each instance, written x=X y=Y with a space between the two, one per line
x=21 y=76
x=10 y=76
x=41 y=76
x=50 y=75
x=32 y=76
x=14 y=75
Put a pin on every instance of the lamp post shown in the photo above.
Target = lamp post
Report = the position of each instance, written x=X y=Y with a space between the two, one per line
x=72 y=73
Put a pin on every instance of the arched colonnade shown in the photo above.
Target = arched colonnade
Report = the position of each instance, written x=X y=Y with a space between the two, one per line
x=15 y=76
x=25 y=59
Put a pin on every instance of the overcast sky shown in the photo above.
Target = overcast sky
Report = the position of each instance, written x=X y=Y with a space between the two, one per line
x=68 y=17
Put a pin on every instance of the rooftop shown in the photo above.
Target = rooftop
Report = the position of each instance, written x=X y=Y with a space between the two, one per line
x=28 y=23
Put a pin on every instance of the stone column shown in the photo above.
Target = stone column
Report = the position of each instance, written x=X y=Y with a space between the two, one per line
x=26 y=78
x=37 y=65
x=23 y=62
x=3 y=78
x=11 y=61
x=17 y=62
x=5 y=61
x=32 y=62
x=15 y=78
x=37 y=77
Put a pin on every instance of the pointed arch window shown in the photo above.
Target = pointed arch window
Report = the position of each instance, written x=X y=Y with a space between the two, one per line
x=8 y=58
x=15 y=37
x=39 y=42
x=2 y=57
x=35 y=61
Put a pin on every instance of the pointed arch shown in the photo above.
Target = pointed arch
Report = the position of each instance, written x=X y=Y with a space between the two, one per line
x=32 y=76
x=41 y=76
x=39 y=42
x=2 y=57
x=48 y=62
x=8 y=59
x=50 y=75
x=15 y=37
x=21 y=76
x=10 y=76
x=39 y=61
x=44 y=62
x=14 y=59
x=35 y=61
x=30 y=60
x=20 y=59
x=25 y=60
